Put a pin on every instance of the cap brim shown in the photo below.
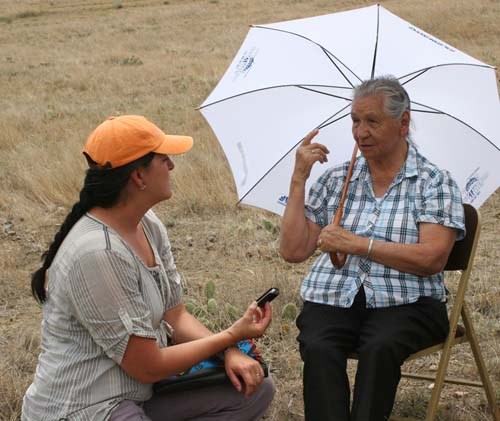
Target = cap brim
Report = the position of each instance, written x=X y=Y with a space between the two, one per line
x=174 y=145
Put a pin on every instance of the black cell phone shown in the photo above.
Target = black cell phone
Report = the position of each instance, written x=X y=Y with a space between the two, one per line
x=269 y=295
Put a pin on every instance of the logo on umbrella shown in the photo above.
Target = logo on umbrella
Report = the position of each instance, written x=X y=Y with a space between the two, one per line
x=434 y=40
x=473 y=186
x=283 y=199
x=246 y=62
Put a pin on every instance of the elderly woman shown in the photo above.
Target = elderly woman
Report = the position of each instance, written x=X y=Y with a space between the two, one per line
x=112 y=300
x=402 y=216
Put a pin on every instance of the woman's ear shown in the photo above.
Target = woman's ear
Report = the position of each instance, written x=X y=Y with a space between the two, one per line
x=405 y=124
x=136 y=177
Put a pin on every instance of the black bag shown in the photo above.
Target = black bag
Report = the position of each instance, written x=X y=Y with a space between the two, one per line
x=207 y=373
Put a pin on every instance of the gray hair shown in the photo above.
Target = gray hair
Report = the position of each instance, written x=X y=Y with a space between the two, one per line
x=395 y=98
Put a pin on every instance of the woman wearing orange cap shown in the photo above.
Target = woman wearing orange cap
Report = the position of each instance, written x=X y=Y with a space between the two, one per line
x=112 y=303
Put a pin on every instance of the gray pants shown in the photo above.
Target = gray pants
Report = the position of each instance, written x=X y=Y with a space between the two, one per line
x=220 y=402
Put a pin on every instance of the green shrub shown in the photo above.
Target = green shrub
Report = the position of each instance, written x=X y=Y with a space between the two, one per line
x=289 y=312
x=210 y=289
x=212 y=306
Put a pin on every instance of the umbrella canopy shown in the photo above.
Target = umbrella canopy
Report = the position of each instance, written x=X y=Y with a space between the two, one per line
x=291 y=77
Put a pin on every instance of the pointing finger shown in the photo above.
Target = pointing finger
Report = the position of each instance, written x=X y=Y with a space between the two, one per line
x=310 y=136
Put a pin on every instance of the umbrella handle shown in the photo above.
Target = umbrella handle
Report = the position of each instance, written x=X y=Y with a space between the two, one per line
x=338 y=259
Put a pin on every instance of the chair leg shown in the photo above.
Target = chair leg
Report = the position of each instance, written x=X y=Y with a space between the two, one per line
x=440 y=379
x=488 y=388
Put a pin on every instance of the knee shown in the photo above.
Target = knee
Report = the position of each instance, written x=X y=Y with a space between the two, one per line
x=261 y=399
x=382 y=350
x=267 y=389
x=322 y=359
x=317 y=350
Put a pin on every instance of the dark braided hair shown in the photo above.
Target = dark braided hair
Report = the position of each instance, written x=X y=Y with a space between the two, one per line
x=102 y=187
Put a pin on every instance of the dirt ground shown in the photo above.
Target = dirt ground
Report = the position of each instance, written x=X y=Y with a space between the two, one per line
x=67 y=64
x=237 y=250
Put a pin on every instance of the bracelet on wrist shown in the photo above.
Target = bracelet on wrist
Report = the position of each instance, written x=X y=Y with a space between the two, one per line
x=370 y=247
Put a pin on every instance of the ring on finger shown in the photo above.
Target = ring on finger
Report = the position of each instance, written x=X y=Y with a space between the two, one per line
x=320 y=242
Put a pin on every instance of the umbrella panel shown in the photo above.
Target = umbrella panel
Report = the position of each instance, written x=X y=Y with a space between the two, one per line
x=474 y=166
x=291 y=77
x=270 y=58
x=255 y=138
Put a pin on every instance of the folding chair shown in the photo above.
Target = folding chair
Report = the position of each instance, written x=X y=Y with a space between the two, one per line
x=461 y=259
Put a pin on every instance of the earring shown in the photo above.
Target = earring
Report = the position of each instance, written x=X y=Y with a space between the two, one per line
x=143 y=187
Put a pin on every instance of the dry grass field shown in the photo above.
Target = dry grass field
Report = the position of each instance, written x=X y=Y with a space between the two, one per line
x=67 y=64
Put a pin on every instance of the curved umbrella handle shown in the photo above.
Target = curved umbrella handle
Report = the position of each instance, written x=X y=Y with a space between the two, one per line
x=338 y=259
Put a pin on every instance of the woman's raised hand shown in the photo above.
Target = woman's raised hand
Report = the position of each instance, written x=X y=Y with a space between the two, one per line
x=307 y=154
x=253 y=323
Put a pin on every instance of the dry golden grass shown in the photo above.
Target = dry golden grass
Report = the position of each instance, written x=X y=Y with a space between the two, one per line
x=67 y=64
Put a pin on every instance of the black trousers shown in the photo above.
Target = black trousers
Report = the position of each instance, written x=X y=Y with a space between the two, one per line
x=383 y=339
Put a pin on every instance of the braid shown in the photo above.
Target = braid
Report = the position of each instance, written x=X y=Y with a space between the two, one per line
x=101 y=187
x=38 y=277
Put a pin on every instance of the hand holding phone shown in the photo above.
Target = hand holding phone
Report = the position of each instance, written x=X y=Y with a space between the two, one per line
x=269 y=295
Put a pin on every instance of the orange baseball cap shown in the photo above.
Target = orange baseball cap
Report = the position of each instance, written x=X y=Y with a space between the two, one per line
x=121 y=140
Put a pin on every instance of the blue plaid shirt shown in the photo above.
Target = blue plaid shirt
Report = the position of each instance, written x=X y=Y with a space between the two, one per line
x=420 y=192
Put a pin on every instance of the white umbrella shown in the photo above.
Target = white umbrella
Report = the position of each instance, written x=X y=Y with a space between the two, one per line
x=291 y=77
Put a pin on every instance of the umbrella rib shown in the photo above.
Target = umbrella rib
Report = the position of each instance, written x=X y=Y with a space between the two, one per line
x=417 y=74
x=275 y=87
x=323 y=93
x=420 y=72
x=333 y=121
x=325 y=124
x=426 y=111
x=320 y=126
x=376 y=42
x=327 y=53
x=436 y=111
